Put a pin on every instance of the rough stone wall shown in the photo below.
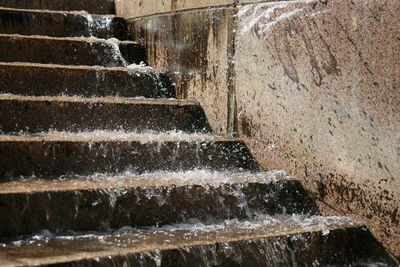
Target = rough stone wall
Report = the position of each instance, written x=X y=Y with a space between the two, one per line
x=313 y=87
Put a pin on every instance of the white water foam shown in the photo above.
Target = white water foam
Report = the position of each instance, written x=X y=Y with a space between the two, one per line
x=143 y=137
x=277 y=223
x=196 y=176
x=142 y=66
x=98 y=23
x=103 y=23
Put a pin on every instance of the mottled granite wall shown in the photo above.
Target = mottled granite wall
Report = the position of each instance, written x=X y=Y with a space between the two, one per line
x=318 y=94
x=313 y=87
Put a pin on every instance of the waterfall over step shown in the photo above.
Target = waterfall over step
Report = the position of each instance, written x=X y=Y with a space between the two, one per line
x=101 y=165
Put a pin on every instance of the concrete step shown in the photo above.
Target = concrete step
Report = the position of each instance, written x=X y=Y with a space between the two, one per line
x=55 y=154
x=104 y=201
x=30 y=114
x=287 y=241
x=61 y=24
x=89 y=81
x=70 y=51
x=92 y=6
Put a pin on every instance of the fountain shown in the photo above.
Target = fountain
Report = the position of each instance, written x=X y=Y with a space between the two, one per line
x=102 y=165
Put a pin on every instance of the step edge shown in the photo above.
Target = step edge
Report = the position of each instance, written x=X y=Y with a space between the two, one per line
x=146 y=69
x=128 y=183
x=68 y=39
x=61 y=12
x=101 y=100
x=139 y=139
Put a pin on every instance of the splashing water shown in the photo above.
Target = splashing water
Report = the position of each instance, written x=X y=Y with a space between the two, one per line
x=98 y=23
x=264 y=17
x=198 y=177
x=143 y=137
x=116 y=54
x=102 y=24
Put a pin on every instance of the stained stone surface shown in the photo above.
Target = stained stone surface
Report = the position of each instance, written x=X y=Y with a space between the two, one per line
x=192 y=46
x=134 y=8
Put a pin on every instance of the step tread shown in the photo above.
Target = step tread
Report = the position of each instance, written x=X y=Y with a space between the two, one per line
x=81 y=12
x=130 y=180
x=131 y=68
x=69 y=39
x=64 y=249
x=103 y=100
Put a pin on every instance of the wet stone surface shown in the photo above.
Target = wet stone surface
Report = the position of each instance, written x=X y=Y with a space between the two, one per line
x=269 y=241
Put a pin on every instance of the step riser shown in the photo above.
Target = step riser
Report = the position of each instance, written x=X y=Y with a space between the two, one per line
x=62 y=25
x=40 y=116
x=29 y=80
x=69 y=52
x=337 y=248
x=146 y=206
x=93 y=6
x=291 y=250
x=49 y=159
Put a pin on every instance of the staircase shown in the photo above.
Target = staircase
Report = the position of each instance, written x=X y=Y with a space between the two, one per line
x=100 y=164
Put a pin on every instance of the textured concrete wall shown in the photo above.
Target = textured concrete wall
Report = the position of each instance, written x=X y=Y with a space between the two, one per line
x=313 y=87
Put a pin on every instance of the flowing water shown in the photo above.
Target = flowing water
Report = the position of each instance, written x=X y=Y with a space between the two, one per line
x=271 y=240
